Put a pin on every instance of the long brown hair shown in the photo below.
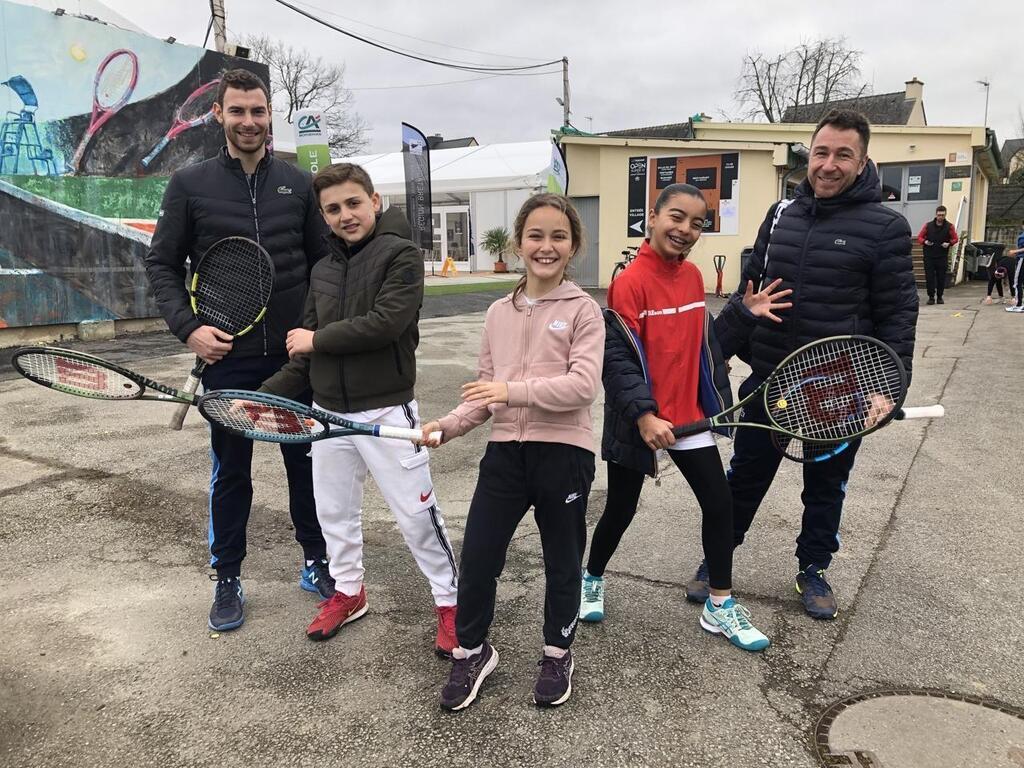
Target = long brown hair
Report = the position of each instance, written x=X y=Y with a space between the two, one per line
x=546 y=200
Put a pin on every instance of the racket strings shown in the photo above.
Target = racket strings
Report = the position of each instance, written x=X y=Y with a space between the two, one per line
x=199 y=105
x=825 y=393
x=77 y=377
x=115 y=82
x=233 y=285
x=257 y=420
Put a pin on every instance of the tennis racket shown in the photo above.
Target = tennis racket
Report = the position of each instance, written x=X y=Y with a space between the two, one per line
x=803 y=452
x=720 y=270
x=272 y=419
x=230 y=290
x=113 y=85
x=196 y=110
x=76 y=373
x=829 y=391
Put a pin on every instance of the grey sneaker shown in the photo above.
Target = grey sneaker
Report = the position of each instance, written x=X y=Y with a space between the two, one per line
x=466 y=677
x=228 y=599
x=554 y=683
x=697 y=589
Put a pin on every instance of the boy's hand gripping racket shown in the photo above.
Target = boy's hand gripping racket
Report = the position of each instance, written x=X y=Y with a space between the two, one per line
x=230 y=290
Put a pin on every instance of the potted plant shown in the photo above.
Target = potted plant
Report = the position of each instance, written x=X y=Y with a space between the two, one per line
x=498 y=243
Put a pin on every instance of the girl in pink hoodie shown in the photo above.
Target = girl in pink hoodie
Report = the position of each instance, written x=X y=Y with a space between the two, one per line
x=540 y=370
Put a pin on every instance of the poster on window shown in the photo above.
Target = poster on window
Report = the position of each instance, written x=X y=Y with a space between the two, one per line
x=717 y=176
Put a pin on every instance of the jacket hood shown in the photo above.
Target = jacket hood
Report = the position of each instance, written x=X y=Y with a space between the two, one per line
x=866 y=188
x=567 y=289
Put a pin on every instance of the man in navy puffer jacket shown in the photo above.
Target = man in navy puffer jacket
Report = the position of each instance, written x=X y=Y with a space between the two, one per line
x=847 y=258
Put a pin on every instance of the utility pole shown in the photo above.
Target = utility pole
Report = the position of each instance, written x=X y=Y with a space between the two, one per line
x=987 y=84
x=219 y=25
x=565 y=91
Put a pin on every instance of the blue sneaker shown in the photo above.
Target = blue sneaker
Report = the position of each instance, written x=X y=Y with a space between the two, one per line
x=697 y=588
x=733 y=620
x=228 y=600
x=592 y=598
x=317 y=578
x=819 y=602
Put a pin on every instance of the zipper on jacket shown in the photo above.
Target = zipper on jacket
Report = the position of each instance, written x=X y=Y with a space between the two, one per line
x=800 y=279
x=522 y=372
x=251 y=186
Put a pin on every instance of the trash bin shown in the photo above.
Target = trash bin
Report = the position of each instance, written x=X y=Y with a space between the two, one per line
x=744 y=258
x=987 y=256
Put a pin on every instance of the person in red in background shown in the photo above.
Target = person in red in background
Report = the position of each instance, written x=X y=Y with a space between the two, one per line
x=936 y=236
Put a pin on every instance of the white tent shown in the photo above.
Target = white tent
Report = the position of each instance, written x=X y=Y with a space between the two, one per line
x=521 y=165
x=474 y=189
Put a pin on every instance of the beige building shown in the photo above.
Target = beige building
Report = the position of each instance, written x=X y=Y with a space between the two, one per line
x=745 y=167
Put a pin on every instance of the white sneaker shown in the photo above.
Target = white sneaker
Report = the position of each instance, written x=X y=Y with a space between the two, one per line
x=592 y=598
x=733 y=620
x=1015 y=309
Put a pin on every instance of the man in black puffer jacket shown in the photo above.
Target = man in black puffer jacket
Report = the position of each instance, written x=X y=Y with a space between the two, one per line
x=847 y=259
x=243 y=191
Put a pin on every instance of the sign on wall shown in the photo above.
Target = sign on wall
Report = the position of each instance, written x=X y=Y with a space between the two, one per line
x=716 y=176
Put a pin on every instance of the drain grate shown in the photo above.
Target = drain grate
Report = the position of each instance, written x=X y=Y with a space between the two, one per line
x=876 y=729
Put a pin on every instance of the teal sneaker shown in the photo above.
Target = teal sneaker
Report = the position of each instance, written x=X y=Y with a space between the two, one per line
x=592 y=598
x=733 y=620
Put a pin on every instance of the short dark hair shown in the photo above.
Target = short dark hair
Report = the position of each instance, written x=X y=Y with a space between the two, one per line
x=941 y=208
x=846 y=120
x=339 y=173
x=241 y=80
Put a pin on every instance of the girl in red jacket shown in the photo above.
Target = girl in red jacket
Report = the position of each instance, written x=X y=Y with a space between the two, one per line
x=665 y=377
x=539 y=372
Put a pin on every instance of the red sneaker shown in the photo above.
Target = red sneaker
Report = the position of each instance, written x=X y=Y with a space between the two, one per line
x=446 y=639
x=336 y=612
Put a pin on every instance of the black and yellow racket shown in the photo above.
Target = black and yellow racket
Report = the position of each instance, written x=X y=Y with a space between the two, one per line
x=230 y=289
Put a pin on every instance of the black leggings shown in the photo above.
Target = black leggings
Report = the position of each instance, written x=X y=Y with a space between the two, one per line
x=702 y=468
x=994 y=282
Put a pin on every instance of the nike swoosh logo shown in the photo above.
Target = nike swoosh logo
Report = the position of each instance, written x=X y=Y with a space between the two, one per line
x=426 y=496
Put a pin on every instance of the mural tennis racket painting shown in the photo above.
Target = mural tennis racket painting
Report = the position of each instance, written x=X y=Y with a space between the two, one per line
x=196 y=111
x=115 y=81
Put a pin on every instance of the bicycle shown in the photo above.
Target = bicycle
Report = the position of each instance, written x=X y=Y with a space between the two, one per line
x=628 y=255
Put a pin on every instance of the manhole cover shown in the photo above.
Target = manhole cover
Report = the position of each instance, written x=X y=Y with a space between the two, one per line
x=918 y=728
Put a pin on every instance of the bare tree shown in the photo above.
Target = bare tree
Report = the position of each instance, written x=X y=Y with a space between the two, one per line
x=816 y=72
x=300 y=81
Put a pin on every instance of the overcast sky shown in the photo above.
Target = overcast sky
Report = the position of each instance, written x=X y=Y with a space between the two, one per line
x=630 y=63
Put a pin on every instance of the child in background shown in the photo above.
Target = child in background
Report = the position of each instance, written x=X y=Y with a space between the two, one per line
x=1017 y=275
x=540 y=370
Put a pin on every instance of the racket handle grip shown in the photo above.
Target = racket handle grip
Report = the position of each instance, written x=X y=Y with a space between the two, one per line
x=403 y=433
x=178 y=417
x=921 y=412
x=694 y=428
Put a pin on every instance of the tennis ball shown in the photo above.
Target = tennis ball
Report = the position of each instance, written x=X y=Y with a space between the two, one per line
x=77 y=52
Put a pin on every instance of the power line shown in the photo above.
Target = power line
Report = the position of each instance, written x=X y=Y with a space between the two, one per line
x=454 y=82
x=389 y=49
x=413 y=37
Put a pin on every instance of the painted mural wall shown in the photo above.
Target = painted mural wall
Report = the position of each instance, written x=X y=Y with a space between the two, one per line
x=93 y=120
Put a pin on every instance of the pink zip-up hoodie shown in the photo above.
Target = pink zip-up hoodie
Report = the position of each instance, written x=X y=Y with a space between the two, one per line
x=551 y=354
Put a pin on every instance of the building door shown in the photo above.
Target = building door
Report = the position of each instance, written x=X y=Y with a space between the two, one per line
x=913 y=189
x=586 y=267
x=451 y=237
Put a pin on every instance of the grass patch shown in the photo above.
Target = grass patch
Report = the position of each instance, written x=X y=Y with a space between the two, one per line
x=491 y=286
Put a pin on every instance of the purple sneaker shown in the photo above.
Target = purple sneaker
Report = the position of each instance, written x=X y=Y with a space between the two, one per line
x=554 y=683
x=466 y=677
